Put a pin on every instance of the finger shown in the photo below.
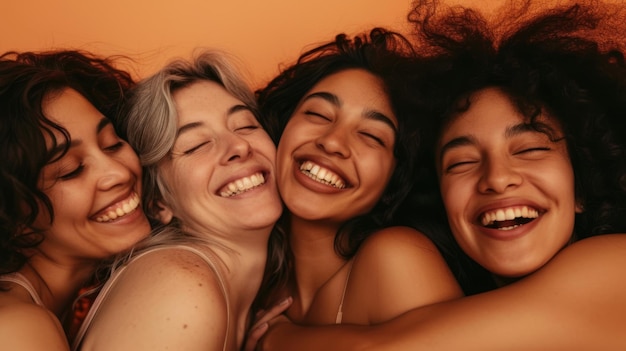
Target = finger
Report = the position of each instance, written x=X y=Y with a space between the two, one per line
x=254 y=336
x=275 y=311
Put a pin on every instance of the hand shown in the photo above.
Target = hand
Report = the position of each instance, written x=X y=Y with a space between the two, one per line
x=263 y=320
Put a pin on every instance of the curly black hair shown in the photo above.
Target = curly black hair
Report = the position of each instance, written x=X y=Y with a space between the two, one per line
x=566 y=62
x=26 y=79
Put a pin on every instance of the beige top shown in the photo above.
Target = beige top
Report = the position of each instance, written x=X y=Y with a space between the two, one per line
x=21 y=280
x=111 y=282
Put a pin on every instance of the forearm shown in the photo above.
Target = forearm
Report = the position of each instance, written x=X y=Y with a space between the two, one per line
x=288 y=336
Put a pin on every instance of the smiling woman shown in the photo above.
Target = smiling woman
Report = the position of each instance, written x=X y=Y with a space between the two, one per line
x=70 y=188
x=210 y=183
x=345 y=128
x=530 y=143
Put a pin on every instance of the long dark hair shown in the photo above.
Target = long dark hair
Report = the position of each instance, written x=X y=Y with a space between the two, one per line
x=26 y=79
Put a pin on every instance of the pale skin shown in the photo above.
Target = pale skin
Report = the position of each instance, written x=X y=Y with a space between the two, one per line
x=172 y=299
x=350 y=134
x=99 y=174
x=574 y=301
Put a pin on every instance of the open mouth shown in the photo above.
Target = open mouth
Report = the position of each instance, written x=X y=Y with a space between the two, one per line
x=242 y=185
x=322 y=175
x=121 y=209
x=508 y=218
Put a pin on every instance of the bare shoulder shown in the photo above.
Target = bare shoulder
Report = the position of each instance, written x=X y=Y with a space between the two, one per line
x=180 y=275
x=403 y=268
x=398 y=237
x=26 y=326
x=598 y=258
x=168 y=297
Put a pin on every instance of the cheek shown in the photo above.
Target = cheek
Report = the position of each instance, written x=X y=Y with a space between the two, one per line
x=130 y=159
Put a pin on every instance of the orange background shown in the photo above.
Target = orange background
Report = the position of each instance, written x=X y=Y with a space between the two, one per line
x=262 y=33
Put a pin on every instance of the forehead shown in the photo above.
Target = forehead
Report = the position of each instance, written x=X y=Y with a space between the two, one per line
x=72 y=111
x=356 y=87
x=203 y=100
x=491 y=112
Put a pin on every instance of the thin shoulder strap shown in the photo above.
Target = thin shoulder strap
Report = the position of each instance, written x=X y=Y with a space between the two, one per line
x=93 y=310
x=20 y=279
x=339 y=317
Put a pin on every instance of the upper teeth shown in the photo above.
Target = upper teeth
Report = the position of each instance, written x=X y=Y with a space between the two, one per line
x=321 y=174
x=121 y=209
x=507 y=214
x=242 y=185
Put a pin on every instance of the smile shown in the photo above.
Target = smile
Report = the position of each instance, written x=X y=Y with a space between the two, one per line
x=322 y=175
x=120 y=209
x=242 y=185
x=508 y=218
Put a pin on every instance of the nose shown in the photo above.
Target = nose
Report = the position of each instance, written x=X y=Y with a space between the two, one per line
x=334 y=141
x=114 y=172
x=498 y=176
x=236 y=148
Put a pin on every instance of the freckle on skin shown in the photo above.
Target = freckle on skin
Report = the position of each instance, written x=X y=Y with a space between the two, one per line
x=184 y=326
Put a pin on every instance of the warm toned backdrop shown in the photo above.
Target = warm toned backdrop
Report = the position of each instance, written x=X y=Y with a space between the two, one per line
x=262 y=33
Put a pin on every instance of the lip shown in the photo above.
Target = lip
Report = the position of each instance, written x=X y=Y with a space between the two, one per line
x=313 y=185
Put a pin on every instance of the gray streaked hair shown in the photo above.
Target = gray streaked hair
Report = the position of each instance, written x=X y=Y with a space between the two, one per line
x=151 y=120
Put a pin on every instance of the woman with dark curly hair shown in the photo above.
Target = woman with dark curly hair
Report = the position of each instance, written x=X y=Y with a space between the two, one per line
x=70 y=188
x=346 y=129
x=530 y=151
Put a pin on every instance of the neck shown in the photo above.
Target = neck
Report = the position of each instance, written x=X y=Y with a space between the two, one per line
x=242 y=263
x=315 y=260
x=57 y=284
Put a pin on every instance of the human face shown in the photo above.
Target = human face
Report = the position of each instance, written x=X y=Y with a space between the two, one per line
x=508 y=189
x=335 y=156
x=95 y=188
x=221 y=169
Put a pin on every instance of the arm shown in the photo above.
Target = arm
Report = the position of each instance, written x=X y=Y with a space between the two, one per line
x=28 y=327
x=395 y=270
x=167 y=300
x=576 y=302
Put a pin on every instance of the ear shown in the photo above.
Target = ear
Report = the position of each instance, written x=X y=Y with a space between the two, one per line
x=579 y=207
x=164 y=213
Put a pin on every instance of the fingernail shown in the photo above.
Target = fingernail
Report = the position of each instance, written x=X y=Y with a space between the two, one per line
x=285 y=301
x=262 y=326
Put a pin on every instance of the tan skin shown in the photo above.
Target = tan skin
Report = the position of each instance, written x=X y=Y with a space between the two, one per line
x=397 y=268
x=572 y=302
x=219 y=144
x=98 y=175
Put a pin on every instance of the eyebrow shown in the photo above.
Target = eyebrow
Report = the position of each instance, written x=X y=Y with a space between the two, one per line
x=59 y=148
x=465 y=140
x=192 y=125
x=369 y=114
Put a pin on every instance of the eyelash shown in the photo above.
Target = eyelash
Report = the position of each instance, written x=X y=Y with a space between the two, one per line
x=250 y=127
x=73 y=174
x=315 y=114
x=115 y=146
x=532 y=149
x=375 y=138
x=193 y=149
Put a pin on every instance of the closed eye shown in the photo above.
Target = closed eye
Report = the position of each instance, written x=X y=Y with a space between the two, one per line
x=532 y=150
x=73 y=174
x=315 y=114
x=115 y=146
x=458 y=166
x=374 y=137
x=248 y=128
x=195 y=148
